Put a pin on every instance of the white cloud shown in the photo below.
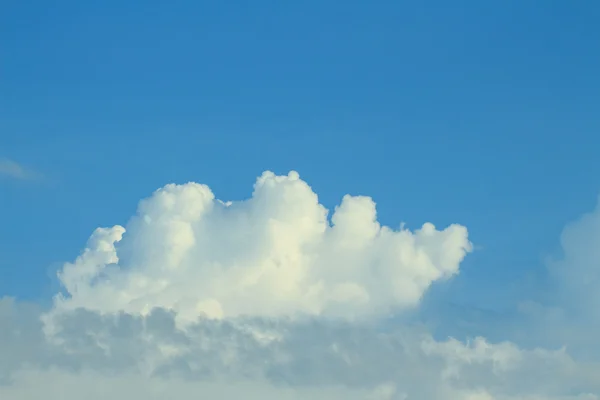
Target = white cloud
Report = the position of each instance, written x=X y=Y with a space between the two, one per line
x=274 y=254
x=268 y=299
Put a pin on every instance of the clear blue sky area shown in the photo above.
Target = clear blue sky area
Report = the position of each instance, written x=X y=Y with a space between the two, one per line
x=475 y=112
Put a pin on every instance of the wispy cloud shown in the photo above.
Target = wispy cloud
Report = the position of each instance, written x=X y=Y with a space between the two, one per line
x=14 y=170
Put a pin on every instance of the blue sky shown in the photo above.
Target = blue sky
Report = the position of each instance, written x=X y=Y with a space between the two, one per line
x=481 y=114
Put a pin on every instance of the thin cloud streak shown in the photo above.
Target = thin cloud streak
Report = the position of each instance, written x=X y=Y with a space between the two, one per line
x=14 y=170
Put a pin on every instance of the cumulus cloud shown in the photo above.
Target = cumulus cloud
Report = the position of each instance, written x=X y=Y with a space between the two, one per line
x=274 y=254
x=269 y=298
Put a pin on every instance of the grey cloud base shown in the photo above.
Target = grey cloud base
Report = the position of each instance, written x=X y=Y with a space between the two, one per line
x=136 y=357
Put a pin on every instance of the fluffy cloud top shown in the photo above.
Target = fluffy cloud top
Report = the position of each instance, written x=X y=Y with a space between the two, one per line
x=274 y=254
x=268 y=298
